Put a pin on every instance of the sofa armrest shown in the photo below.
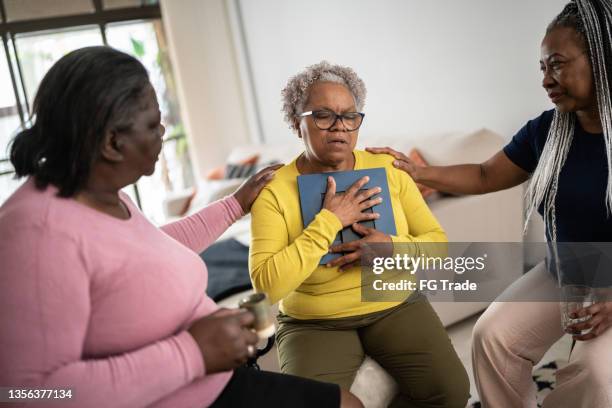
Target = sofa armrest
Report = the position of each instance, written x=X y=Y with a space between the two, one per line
x=176 y=202
x=495 y=217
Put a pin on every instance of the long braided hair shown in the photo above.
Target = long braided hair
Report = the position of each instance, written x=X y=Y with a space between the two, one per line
x=592 y=19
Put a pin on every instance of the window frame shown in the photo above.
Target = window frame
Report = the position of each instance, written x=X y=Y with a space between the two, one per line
x=100 y=17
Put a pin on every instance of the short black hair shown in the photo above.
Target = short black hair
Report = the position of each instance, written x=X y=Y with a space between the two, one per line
x=83 y=95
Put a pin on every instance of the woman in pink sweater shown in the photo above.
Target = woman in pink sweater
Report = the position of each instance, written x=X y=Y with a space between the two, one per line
x=96 y=299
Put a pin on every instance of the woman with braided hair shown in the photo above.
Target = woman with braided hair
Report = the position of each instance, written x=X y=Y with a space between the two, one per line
x=567 y=155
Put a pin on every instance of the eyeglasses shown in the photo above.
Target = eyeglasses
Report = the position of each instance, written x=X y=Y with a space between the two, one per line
x=325 y=119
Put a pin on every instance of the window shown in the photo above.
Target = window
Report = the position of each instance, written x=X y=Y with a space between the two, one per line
x=37 y=52
x=9 y=122
x=36 y=33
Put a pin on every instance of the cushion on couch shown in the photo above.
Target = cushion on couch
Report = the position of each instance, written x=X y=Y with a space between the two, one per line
x=443 y=148
x=233 y=169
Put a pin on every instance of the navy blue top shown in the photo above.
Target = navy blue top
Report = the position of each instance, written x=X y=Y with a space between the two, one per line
x=581 y=210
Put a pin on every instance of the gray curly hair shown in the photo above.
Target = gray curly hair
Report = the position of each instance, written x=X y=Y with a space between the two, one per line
x=296 y=92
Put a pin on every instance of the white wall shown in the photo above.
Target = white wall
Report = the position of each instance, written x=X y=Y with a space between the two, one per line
x=429 y=66
x=210 y=90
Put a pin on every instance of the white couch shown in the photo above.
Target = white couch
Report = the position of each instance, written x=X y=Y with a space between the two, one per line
x=487 y=218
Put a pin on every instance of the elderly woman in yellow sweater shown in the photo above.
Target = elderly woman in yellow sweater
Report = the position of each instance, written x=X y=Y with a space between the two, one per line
x=325 y=328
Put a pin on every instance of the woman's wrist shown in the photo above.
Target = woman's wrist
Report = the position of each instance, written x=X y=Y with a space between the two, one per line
x=239 y=197
x=419 y=174
x=331 y=217
x=196 y=365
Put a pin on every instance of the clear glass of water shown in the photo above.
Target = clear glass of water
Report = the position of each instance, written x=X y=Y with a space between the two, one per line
x=574 y=298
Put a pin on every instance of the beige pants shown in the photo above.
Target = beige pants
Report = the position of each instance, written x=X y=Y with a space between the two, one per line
x=511 y=337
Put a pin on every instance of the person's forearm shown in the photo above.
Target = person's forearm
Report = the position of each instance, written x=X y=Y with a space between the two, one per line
x=201 y=229
x=458 y=179
x=133 y=379
x=279 y=272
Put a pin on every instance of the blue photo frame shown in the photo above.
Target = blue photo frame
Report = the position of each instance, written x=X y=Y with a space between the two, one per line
x=312 y=188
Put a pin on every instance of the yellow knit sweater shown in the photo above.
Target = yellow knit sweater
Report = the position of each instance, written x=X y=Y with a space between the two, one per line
x=284 y=256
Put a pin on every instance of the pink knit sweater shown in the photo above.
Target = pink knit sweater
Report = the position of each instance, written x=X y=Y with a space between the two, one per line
x=101 y=305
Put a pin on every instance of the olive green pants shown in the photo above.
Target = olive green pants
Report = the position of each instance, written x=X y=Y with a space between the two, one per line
x=408 y=341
